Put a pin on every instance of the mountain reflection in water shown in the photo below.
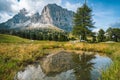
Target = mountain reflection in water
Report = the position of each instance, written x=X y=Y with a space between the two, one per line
x=69 y=67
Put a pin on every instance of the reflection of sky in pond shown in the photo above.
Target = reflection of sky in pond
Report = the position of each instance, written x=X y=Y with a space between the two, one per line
x=101 y=63
x=35 y=73
x=32 y=72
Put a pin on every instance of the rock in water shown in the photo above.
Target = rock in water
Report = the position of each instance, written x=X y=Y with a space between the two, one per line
x=57 y=62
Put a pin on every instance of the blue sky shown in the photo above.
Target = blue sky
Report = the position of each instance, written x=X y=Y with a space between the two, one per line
x=106 y=12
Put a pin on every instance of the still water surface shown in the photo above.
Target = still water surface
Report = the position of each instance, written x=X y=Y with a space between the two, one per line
x=82 y=67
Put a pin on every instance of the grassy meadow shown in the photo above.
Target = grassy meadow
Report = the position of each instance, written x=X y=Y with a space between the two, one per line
x=16 y=52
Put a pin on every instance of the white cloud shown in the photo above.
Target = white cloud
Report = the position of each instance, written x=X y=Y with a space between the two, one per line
x=71 y=6
x=36 y=5
x=102 y=16
x=4 y=17
x=8 y=8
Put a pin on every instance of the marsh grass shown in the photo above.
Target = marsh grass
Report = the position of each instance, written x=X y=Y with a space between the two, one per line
x=18 y=53
x=15 y=56
x=113 y=73
x=95 y=47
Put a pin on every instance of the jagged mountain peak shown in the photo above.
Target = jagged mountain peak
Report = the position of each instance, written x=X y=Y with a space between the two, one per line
x=56 y=7
x=23 y=11
x=51 y=14
x=18 y=19
x=58 y=16
x=53 y=6
x=35 y=18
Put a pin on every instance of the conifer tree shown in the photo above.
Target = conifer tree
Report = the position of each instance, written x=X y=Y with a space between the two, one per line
x=83 y=22
x=101 y=36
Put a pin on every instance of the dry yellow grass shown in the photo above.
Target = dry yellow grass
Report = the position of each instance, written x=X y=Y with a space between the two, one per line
x=100 y=47
x=12 y=54
x=22 y=51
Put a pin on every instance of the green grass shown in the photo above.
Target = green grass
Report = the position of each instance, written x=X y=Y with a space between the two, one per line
x=16 y=52
x=11 y=39
x=113 y=73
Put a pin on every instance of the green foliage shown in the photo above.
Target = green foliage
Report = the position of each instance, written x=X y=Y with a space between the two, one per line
x=113 y=34
x=39 y=34
x=7 y=38
x=113 y=73
x=15 y=56
x=83 y=22
x=94 y=39
x=101 y=36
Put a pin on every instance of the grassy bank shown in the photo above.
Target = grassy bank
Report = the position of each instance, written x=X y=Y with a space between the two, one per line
x=15 y=53
x=11 y=39
x=113 y=73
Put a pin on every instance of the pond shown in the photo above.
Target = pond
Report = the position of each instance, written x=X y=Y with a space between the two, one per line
x=66 y=66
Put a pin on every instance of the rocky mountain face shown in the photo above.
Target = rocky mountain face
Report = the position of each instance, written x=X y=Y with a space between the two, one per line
x=18 y=20
x=56 y=15
x=52 y=15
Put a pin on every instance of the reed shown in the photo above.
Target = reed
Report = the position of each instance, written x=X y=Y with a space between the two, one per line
x=14 y=55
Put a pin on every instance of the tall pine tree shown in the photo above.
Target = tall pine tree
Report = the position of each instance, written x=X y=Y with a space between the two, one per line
x=83 y=21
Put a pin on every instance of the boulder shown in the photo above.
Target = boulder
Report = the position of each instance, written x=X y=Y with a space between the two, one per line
x=58 y=62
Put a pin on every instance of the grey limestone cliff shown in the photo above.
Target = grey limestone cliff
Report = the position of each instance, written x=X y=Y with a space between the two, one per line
x=51 y=14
